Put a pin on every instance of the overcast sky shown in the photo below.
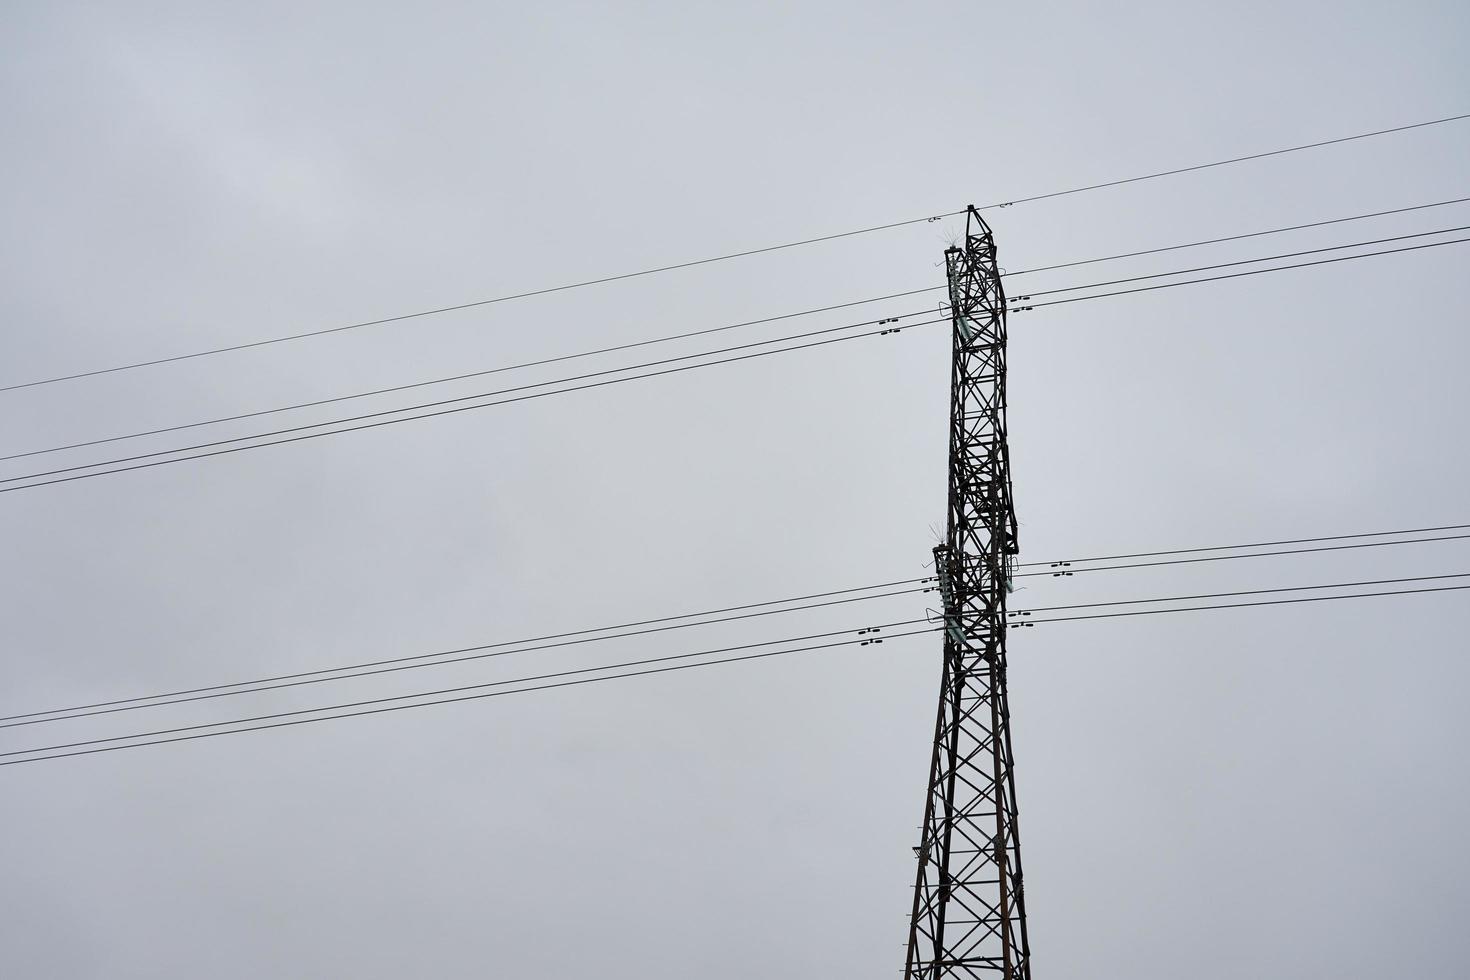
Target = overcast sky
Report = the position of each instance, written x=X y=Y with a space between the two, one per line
x=1216 y=795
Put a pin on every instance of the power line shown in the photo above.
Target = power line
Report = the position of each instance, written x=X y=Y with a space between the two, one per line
x=462 y=408
x=484 y=646
x=1237 y=275
x=1235 y=238
x=1226 y=265
x=411 y=418
x=425 y=704
x=748 y=323
x=196 y=734
x=515 y=367
x=1223 y=163
x=1226 y=595
x=1255 y=544
x=1246 y=605
x=1257 y=554
x=463 y=306
x=719 y=258
x=420 y=660
x=525 y=645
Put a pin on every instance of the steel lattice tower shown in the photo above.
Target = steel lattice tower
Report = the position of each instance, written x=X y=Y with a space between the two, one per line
x=969 y=917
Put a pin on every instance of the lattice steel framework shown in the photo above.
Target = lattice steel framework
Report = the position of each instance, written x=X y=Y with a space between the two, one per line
x=969 y=917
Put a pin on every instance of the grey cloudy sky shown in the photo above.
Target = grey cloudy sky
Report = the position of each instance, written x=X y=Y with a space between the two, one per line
x=1215 y=795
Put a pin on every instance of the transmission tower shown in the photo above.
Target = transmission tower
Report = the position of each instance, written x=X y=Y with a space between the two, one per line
x=969 y=917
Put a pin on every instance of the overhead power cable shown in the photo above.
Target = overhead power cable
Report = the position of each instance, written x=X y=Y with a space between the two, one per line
x=75 y=475
x=1252 y=544
x=1236 y=275
x=525 y=294
x=450 y=309
x=425 y=415
x=1233 y=238
x=1023 y=613
x=424 y=704
x=1254 y=554
x=611 y=632
x=515 y=367
x=1247 y=605
x=139 y=740
x=1227 y=265
x=487 y=651
x=1232 y=160
x=1018 y=614
x=524 y=641
x=748 y=323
